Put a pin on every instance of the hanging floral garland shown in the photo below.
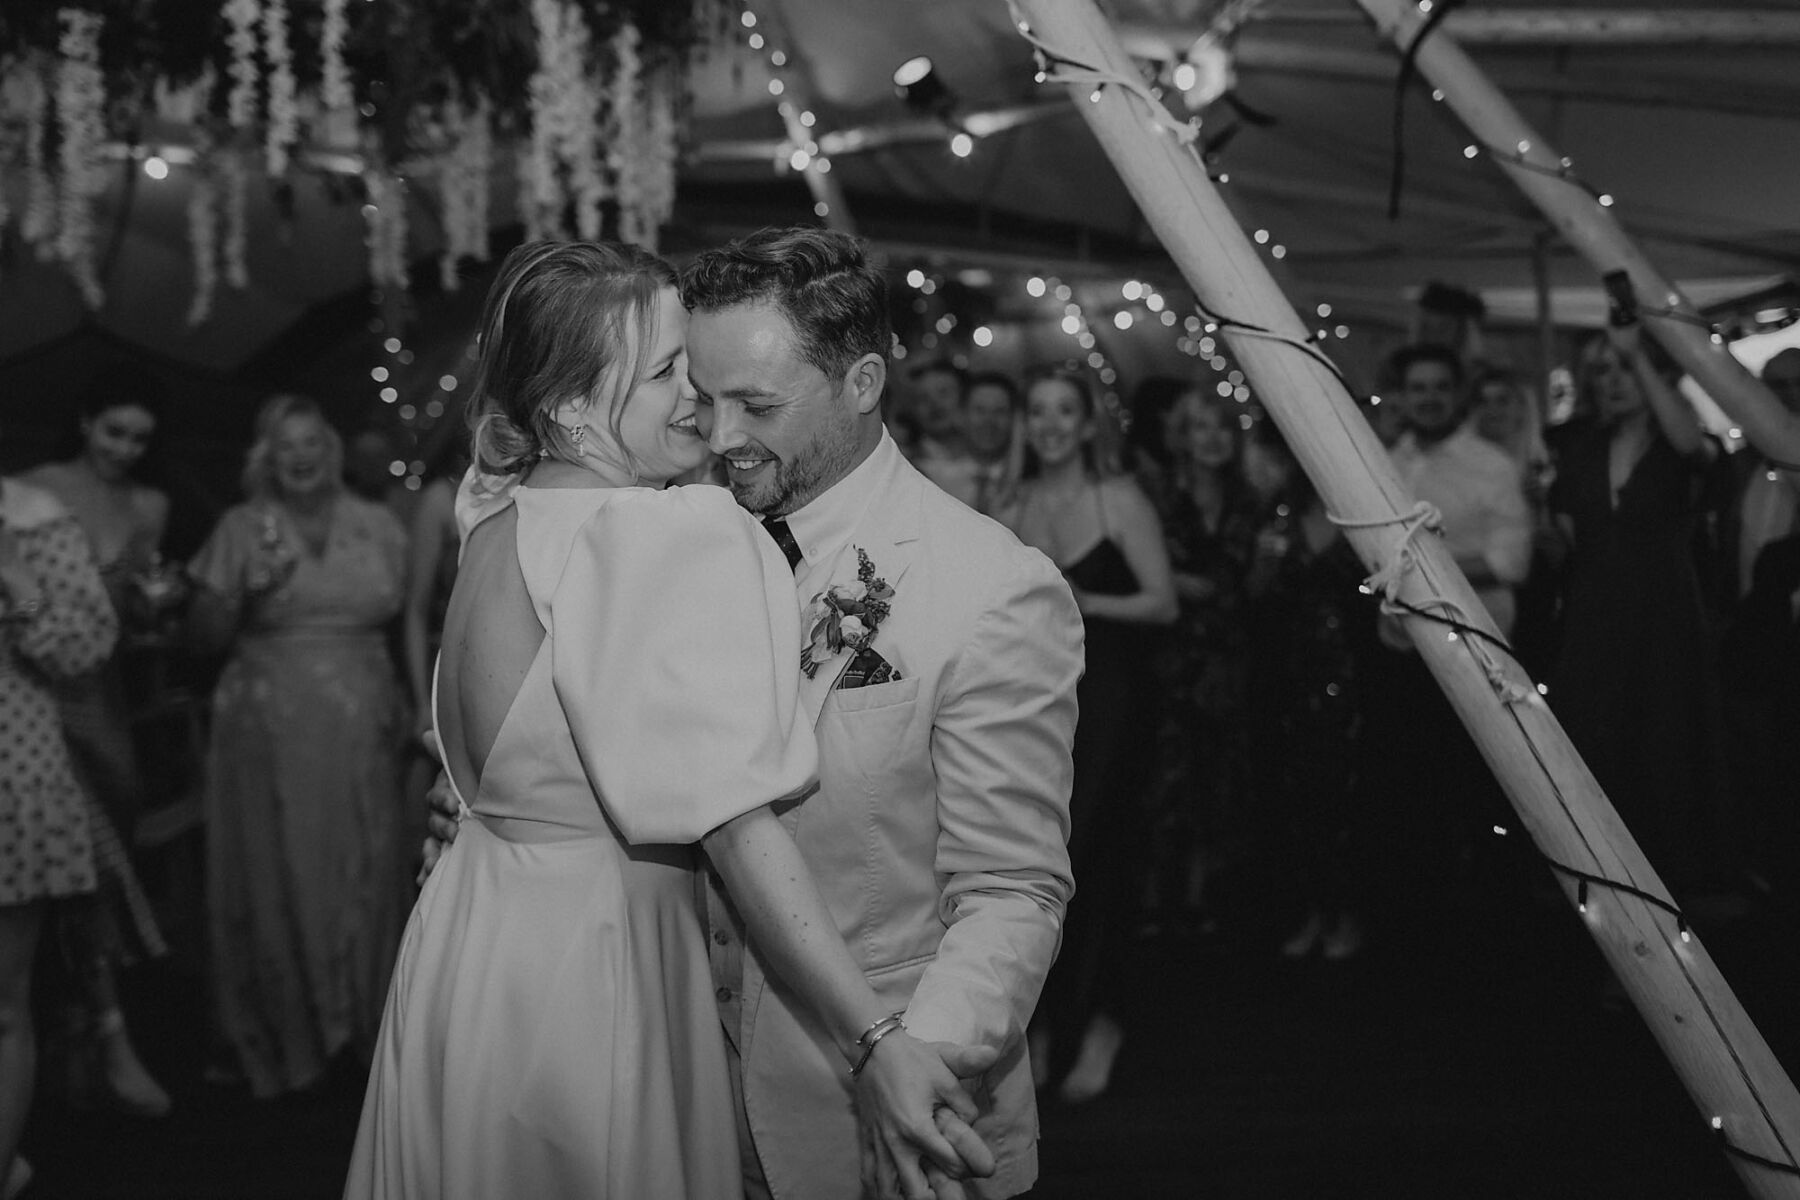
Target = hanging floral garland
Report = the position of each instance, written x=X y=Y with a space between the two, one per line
x=463 y=173
x=80 y=104
x=623 y=128
x=203 y=237
x=588 y=89
x=237 y=218
x=387 y=232
x=29 y=91
x=283 y=126
x=647 y=166
x=564 y=166
x=334 y=75
x=242 y=16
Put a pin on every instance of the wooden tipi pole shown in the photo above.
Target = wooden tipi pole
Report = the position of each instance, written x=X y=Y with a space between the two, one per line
x=1587 y=223
x=1718 y=1053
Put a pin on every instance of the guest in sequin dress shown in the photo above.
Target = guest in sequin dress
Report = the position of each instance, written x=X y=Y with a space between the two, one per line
x=1200 y=794
x=308 y=833
x=55 y=623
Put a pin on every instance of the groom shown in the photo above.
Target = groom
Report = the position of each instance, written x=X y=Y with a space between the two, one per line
x=937 y=833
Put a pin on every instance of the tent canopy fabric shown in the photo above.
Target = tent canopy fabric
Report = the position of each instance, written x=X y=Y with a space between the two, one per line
x=1688 y=114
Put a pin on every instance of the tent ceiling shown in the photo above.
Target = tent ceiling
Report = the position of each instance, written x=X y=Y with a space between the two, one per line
x=1697 y=134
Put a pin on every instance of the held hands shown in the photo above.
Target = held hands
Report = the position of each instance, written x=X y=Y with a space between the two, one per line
x=441 y=815
x=913 y=1116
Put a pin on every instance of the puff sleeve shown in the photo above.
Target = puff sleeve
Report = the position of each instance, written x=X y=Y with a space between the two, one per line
x=76 y=629
x=675 y=656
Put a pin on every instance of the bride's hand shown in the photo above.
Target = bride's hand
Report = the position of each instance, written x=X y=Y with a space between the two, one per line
x=900 y=1129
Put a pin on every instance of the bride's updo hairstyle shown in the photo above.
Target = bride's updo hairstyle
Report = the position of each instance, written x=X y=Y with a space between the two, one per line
x=562 y=320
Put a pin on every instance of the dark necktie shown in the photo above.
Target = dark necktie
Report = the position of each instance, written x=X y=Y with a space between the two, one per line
x=784 y=538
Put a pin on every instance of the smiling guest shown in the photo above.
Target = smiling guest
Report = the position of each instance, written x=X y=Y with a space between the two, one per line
x=306 y=878
x=1101 y=530
x=123 y=521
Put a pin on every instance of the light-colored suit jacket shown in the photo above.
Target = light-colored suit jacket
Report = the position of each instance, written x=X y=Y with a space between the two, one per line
x=938 y=834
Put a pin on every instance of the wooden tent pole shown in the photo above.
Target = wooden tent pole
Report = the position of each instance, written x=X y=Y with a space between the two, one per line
x=1718 y=1053
x=1590 y=227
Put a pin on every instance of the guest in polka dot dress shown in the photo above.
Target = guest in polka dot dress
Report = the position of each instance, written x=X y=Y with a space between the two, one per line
x=55 y=623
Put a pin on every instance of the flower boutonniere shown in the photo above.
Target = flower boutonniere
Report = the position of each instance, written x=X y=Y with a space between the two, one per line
x=845 y=614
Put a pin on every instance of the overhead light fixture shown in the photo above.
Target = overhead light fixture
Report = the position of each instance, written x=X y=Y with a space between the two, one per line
x=917 y=83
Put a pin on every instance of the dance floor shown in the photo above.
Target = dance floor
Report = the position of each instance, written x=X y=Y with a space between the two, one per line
x=1472 y=1050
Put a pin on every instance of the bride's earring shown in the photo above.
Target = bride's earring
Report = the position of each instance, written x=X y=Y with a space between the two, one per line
x=576 y=435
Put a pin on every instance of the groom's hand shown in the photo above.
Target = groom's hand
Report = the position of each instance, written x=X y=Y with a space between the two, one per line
x=441 y=819
x=913 y=1117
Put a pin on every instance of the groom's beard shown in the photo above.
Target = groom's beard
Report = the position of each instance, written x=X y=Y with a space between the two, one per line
x=790 y=484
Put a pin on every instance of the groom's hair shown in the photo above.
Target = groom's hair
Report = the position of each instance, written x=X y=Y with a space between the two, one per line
x=819 y=279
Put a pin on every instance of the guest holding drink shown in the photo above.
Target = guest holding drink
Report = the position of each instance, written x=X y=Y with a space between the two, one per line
x=123 y=520
x=306 y=846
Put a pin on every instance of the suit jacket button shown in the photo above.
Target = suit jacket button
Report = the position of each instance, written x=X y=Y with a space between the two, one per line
x=724 y=995
x=721 y=937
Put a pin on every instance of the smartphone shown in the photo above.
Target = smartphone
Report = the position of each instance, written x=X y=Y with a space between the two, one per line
x=1622 y=309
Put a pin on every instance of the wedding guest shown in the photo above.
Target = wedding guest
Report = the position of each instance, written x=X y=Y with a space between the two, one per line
x=1199 y=798
x=984 y=477
x=1101 y=530
x=55 y=623
x=1756 y=574
x=1150 y=436
x=1635 y=682
x=1308 y=638
x=1420 y=769
x=123 y=521
x=307 y=884
x=938 y=390
x=1505 y=415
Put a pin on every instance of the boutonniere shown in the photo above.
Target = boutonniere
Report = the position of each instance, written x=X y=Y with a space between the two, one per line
x=845 y=615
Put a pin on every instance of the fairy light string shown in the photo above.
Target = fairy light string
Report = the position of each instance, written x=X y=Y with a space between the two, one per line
x=1057 y=67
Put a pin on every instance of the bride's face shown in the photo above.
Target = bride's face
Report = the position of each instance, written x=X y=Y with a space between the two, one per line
x=657 y=425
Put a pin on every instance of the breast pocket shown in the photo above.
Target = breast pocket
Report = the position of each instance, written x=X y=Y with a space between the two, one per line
x=862 y=729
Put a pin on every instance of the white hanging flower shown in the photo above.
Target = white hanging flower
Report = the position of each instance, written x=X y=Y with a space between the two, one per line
x=80 y=103
x=237 y=217
x=463 y=185
x=242 y=16
x=623 y=131
x=334 y=81
x=565 y=109
x=387 y=228
x=38 y=223
x=203 y=237
x=284 y=118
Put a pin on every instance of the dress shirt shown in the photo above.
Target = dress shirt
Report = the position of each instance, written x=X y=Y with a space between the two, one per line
x=1769 y=507
x=1477 y=489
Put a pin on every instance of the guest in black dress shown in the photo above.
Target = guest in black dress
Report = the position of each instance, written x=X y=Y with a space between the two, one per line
x=1309 y=635
x=1199 y=799
x=1634 y=682
x=1102 y=531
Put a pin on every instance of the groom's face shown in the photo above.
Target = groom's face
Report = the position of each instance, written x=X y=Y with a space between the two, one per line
x=785 y=430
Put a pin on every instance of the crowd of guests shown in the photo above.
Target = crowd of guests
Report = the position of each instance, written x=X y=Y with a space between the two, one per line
x=1246 y=712
x=1251 y=724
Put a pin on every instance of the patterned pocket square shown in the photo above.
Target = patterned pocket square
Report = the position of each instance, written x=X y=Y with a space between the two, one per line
x=867 y=669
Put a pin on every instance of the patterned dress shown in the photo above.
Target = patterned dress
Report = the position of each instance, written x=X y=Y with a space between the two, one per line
x=46 y=849
x=308 y=832
x=1200 y=797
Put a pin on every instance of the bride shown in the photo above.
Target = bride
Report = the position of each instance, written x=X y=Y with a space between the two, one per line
x=619 y=680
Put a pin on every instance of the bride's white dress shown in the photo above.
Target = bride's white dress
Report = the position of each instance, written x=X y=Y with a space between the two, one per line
x=551 y=1029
